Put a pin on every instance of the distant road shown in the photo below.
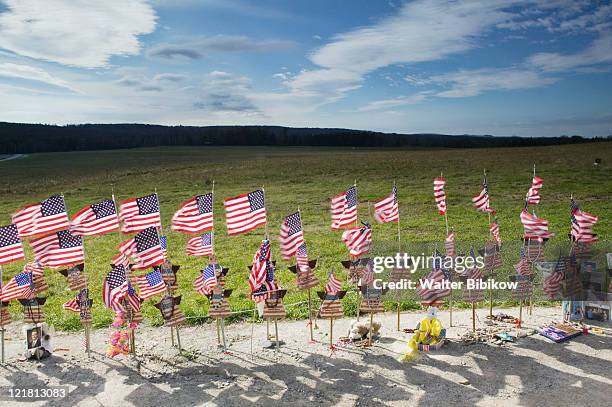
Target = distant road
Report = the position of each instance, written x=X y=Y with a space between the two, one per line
x=12 y=157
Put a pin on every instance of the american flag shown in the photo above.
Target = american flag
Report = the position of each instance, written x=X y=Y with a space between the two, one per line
x=474 y=273
x=333 y=284
x=121 y=260
x=95 y=219
x=206 y=281
x=534 y=227
x=150 y=284
x=494 y=229
x=387 y=209
x=58 y=249
x=291 y=235
x=431 y=296
x=48 y=216
x=259 y=267
x=439 y=194
x=245 y=212
x=20 y=286
x=344 y=208
x=582 y=224
x=200 y=245
x=522 y=267
x=449 y=245
x=358 y=240
x=301 y=255
x=140 y=213
x=72 y=305
x=481 y=201
x=132 y=297
x=194 y=215
x=267 y=289
x=114 y=288
x=10 y=245
x=145 y=248
x=553 y=282
x=533 y=194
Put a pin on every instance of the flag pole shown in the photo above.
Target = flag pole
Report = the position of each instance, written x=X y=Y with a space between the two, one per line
x=399 y=249
x=531 y=265
x=309 y=294
x=129 y=314
x=491 y=236
x=1 y=317
x=450 y=300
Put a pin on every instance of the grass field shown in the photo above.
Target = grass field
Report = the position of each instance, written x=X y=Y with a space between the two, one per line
x=304 y=177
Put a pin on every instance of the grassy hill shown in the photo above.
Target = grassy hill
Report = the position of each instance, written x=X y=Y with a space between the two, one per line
x=306 y=177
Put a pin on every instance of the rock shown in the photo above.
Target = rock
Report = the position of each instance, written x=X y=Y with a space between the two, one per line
x=464 y=382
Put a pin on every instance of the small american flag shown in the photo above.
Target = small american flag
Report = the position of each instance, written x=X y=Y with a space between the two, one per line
x=72 y=305
x=20 y=286
x=358 y=240
x=387 y=209
x=206 y=281
x=433 y=295
x=553 y=282
x=145 y=248
x=344 y=208
x=301 y=256
x=449 y=245
x=333 y=284
x=194 y=215
x=259 y=266
x=494 y=229
x=582 y=224
x=534 y=228
x=95 y=219
x=291 y=235
x=439 y=194
x=11 y=248
x=522 y=267
x=132 y=297
x=140 y=213
x=150 y=284
x=481 y=201
x=48 y=216
x=200 y=245
x=245 y=212
x=58 y=249
x=114 y=288
x=533 y=194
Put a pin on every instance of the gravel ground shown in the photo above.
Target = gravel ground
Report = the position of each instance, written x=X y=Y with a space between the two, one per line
x=533 y=371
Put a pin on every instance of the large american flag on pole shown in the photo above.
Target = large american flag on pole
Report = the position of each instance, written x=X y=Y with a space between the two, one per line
x=533 y=194
x=48 y=216
x=58 y=249
x=245 y=212
x=358 y=240
x=387 y=209
x=206 y=281
x=140 y=213
x=534 y=228
x=11 y=248
x=481 y=201
x=291 y=235
x=194 y=215
x=145 y=248
x=95 y=219
x=150 y=284
x=200 y=245
x=115 y=287
x=582 y=224
x=344 y=208
x=440 y=194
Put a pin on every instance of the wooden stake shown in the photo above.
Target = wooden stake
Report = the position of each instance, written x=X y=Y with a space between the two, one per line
x=172 y=335
x=399 y=309
x=178 y=339
x=268 y=329
x=88 y=339
x=218 y=331
x=276 y=334
x=473 y=317
x=370 y=331
x=2 y=339
x=520 y=313
x=331 y=332
x=223 y=334
x=310 y=315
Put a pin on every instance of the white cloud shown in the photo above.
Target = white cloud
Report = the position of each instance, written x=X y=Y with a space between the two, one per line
x=599 y=52
x=395 y=102
x=171 y=77
x=75 y=32
x=31 y=73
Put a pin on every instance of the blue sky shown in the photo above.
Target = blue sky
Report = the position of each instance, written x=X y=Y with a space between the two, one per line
x=528 y=68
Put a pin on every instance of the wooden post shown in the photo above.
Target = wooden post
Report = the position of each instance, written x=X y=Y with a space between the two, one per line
x=473 y=316
x=268 y=329
x=276 y=334
x=310 y=315
x=172 y=335
x=331 y=332
x=88 y=339
x=218 y=331
x=450 y=302
x=490 y=302
x=399 y=309
x=178 y=339
x=520 y=313
x=370 y=331
x=223 y=334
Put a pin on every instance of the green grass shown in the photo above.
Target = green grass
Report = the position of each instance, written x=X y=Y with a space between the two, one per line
x=304 y=177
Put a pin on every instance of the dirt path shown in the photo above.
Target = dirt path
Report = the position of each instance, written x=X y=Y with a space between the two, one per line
x=531 y=372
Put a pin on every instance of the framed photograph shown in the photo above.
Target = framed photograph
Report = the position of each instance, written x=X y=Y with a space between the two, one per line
x=34 y=337
x=588 y=267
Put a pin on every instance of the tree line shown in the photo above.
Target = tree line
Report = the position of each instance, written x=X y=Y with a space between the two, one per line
x=36 y=138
